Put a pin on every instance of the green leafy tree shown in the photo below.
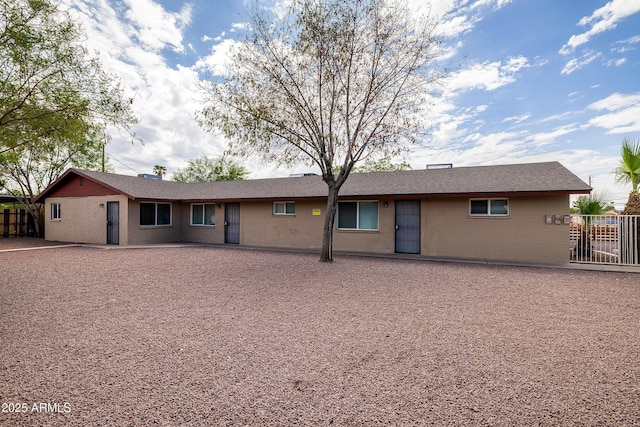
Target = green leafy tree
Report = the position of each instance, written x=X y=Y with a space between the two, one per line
x=27 y=169
x=204 y=169
x=327 y=83
x=56 y=102
x=382 y=165
x=629 y=173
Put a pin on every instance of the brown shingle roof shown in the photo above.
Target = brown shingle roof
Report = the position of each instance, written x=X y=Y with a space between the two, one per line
x=531 y=178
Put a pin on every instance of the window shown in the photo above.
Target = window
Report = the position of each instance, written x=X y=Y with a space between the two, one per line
x=203 y=214
x=284 y=208
x=489 y=207
x=55 y=211
x=358 y=215
x=155 y=213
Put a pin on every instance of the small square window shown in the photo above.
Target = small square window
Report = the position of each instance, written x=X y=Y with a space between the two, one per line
x=358 y=215
x=203 y=214
x=155 y=213
x=479 y=207
x=499 y=207
x=489 y=207
x=284 y=208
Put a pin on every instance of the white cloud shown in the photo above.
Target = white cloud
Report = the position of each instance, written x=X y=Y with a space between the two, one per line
x=455 y=17
x=623 y=116
x=155 y=27
x=517 y=119
x=577 y=63
x=216 y=62
x=603 y=19
x=546 y=138
x=616 y=62
x=239 y=26
x=488 y=76
x=130 y=43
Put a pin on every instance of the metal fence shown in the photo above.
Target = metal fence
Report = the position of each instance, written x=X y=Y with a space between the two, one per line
x=605 y=239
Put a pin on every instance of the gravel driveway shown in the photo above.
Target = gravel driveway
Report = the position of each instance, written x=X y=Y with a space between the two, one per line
x=209 y=336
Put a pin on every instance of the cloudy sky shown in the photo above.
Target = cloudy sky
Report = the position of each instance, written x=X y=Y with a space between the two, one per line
x=541 y=80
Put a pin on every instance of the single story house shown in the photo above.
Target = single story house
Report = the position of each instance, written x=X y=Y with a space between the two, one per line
x=514 y=213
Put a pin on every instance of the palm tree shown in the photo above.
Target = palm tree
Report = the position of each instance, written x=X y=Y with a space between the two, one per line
x=629 y=173
x=597 y=203
x=160 y=170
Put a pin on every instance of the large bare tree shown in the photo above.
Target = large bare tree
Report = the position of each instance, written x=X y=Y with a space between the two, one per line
x=327 y=83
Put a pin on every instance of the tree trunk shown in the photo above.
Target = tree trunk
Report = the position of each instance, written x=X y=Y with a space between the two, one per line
x=329 y=220
x=633 y=208
x=633 y=205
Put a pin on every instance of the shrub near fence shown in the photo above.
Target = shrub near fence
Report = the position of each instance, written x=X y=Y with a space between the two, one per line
x=16 y=223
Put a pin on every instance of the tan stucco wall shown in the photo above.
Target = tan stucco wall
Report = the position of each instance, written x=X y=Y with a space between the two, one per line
x=83 y=220
x=448 y=231
x=142 y=235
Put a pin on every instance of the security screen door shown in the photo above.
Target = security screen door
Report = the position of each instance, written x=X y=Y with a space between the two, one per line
x=232 y=223
x=113 y=223
x=408 y=226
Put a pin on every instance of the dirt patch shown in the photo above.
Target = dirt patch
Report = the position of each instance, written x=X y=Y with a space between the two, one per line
x=210 y=336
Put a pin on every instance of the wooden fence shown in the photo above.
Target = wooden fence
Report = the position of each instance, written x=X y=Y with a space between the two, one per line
x=596 y=231
x=16 y=223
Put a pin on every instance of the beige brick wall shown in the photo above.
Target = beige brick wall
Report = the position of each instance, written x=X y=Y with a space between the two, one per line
x=83 y=220
x=199 y=233
x=380 y=241
x=260 y=227
x=141 y=235
x=449 y=231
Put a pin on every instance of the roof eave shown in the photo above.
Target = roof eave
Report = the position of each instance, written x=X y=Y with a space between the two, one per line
x=43 y=195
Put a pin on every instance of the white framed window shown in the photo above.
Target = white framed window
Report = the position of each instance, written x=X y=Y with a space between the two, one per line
x=56 y=212
x=489 y=207
x=155 y=214
x=284 y=208
x=203 y=214
x=357 y=215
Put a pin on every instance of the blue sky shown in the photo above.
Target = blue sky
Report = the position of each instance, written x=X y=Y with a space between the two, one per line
x=541 y=80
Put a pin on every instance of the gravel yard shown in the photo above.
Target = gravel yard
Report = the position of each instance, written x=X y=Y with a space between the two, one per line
x=210 y=336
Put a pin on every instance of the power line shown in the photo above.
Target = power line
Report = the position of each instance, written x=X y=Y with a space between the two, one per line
x=122 y=163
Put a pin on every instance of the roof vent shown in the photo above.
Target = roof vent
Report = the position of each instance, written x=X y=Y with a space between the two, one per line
x=440 y=166
x=298 y=175
x=150 y=176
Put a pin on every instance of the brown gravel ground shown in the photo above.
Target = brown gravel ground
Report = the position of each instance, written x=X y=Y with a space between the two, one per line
x=209 y=336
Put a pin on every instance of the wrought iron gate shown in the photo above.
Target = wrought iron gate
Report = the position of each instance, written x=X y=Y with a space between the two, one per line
x=605 y=239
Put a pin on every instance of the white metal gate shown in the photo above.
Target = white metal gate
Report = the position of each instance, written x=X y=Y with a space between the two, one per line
x=605 y=239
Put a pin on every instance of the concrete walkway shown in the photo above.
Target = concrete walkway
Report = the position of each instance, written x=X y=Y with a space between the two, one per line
x=569 y=266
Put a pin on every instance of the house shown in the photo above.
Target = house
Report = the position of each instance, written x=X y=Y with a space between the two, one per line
x=503 y=213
